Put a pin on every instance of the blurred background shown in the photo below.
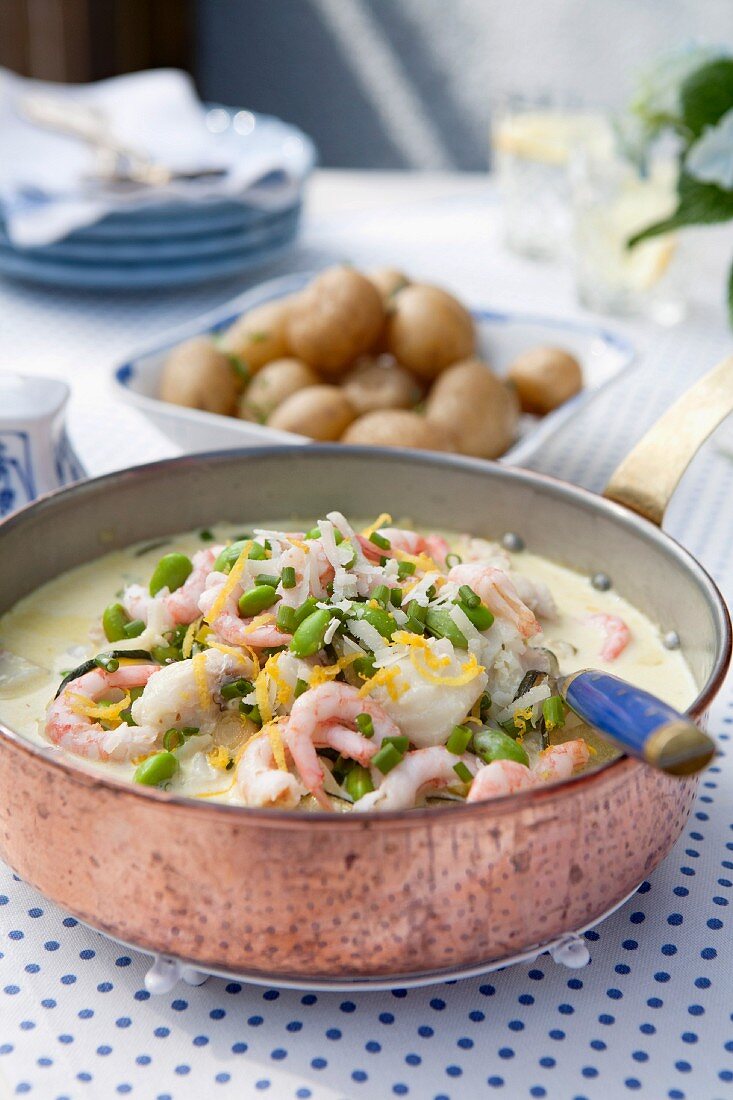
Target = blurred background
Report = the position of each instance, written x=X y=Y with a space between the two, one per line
x=376 y=83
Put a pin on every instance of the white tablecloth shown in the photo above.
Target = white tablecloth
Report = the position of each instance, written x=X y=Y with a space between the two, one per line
x=651 y=1015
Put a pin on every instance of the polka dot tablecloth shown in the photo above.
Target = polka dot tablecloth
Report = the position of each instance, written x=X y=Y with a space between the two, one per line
x=652 y=1013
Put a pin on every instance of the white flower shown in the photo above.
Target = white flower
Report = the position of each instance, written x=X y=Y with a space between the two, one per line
x=711 y=157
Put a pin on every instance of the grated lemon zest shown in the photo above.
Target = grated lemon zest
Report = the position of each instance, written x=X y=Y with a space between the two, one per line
x=90 y=709
x=199 y=678
x=470 y=669
x=258 y=621
x=262 y=695
x=434 y=661
x=380 y=521
x=322 y=674
x=229 y=651
x=523 y=718
x=300 y=544
x=230 y=584
x=284 y=689
x=219 y=758
x=272 y=729
x=189 y=637
x=421 y=561
x=384 y=677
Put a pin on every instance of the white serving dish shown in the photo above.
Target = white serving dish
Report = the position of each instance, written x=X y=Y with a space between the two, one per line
x=502 y=337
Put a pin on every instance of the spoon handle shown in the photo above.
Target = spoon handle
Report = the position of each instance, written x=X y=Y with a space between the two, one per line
x=637 y=722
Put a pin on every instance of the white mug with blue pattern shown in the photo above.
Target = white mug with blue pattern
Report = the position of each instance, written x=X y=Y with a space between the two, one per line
x=35 y=453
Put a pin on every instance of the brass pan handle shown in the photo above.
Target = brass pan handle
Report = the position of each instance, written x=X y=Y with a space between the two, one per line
x=648 y=476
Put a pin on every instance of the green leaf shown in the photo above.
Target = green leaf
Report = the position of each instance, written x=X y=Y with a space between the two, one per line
x=706 y=95
x=730 y=296
x=698 y=204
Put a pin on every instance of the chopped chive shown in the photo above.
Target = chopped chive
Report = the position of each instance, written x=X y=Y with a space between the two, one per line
x=267 y=578
x=134 y=629
x=430 y=592
x=365 y=667
x=172 y=739
x=400 y=743
x=307 y=608
x=107 y=662
x=553 y=711
x=405 y=569
x=416 y=611
x=395 y=597
x=189 y=731
x=462 y=772
x=365 y=725
x=458 y=740
x=300 y=687
x=165 y=654
x=236 y=689
x=381 y=594
x=484 y=706
x=285 y=619
x=468 y=596
x=380 y=540
x=480 y=616
x=453 y=559
x=206 y=535
x=358 y=782
x=288 y=577
x=254 y=715
x=387 y=758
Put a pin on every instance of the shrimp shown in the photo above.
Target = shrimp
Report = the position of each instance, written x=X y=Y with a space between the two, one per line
x=617 y=635
x=77 y=733
x=409 y=542
x=419 y=771
x=325 y=715
x=261 y=782
x=172 y=698
x=502 y=777
x=230 y=628
x=183 y=604
x=498 y=778
x=560 y=761
x=496 y=590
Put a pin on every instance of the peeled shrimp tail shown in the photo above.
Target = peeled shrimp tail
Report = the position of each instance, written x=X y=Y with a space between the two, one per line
x=496 y=590
x=183 y=604
x=498 y=778
x=419 y=771
x=261 y=782
x=616 y=635
x=560 y=761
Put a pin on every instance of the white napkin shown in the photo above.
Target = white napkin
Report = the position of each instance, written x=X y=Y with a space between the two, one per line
x=44 y=195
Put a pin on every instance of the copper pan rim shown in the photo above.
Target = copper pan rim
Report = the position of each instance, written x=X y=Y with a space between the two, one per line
x=287 y=818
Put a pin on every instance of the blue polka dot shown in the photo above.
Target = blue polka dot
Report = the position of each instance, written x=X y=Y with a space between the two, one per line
x=294 y=1025
x=104 y=987
x=425 y=1031
x=589 y=1071
x=359 y=1075
x=622 y=968
x=525 y=999
x=124 y=1088
x=333 y=1033
x=668 y=949
x=308 y=999
x=575 y=983
x=506 y=1052
x=27 y=1025
x=402 y=993
x=239 y=1048
x=70 y=922
x=547 y=1063
x=182 y=1070
x=52 y=945
x=465 y=1043
x=278 y=1054
x=477 y=1016
x=35 y=912
x=143 y=1059
x=16 y=934
x=647 y=1029
x=66 y=1039
x=655 y=1002
x=262 y=1084
x=201 y=1040
x=703 y=983
x=437 y=1004
x=453 y=1071
x=640 y=1056
x=124 y=960
x=709 y=953
x=123 y=1022
x=556 y=1034
x=681 y=891
x=48 y=1002
x=726 y=1075
x=303 y=1094
x=68 y=979
x=6 y=1048
x=413 y=1059
x=347 y=1006
x=270 y=995
x=632 y=1083
x=217 y=1014
x=374 y=1047
x=566 y=1010
x=714 y=924
x=255 y=1021
x=614 y=994
x=637 y=918
x=604 y=1018
x=487 y=990
x=161 y=1032
x=319 y=1063
x=104 y=1050
x=32 y=968
x=179 y=1005
x=232 y=988
x=222 y=1078
x=597 y=1044
x=536 y=975
x=495 y=1082
x=142 y=995
x=11 y=990
x=630 y=945
x=87 y=953
x=537 y=1091
x=84 y=1076
x=86 y=1013
x=399 y=1089
x=515 y=1025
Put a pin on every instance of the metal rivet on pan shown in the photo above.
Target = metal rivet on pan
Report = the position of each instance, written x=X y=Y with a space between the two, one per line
x=513 y=542
x=601 y=582
x=671 y=640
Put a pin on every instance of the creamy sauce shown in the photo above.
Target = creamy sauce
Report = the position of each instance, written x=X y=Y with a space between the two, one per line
x=57 y=627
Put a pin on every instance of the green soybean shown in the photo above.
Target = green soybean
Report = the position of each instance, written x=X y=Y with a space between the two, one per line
x=229 y=554
x=480 y=616
x=171 y=572
x=358 y=782
x=491 y=744
x=114 y=621
x=156 y=769
x=134 y=629
x=164 y=654
x=257 y=599
x=440 y=624
x=381 y=620
x=308 y=638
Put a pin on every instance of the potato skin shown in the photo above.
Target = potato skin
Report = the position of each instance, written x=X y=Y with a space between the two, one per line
x=398 y=428
x=337 y=318
x=428 y=329
x=477 y=406
x=321 y=412
x=544 y=378
x=388 y=281
x=199 y=376
x=272 y=385
x=259 y=335
x=380 y=384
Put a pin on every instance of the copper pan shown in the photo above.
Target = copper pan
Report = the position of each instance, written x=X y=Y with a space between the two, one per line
x=392 y=896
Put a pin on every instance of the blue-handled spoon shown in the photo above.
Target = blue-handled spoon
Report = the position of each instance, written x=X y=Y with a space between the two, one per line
x=637 y=722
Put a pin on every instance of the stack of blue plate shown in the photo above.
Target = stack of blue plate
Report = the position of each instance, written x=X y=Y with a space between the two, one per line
x=178 y=243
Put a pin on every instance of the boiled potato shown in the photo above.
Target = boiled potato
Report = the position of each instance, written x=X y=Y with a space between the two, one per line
x=321 y=412
x=337 y=318
x=399 y=428
x=196 y=374
x=380 y=384
x=471 y=401
x=259 y=335
x=272 y=385
x=545 y=377
x=388 y=280
x=428 y=329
